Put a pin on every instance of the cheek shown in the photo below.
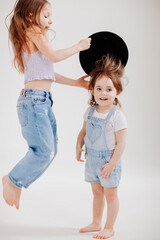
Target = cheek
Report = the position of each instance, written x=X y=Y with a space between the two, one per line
x=42 y=20
x=96 y=95
x=111 y=96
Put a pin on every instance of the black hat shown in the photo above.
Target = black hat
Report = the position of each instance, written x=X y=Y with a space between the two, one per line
x=103 y=43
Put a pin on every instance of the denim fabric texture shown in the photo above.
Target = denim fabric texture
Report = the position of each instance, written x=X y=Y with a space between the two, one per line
x=97 y=153
x=39 y=129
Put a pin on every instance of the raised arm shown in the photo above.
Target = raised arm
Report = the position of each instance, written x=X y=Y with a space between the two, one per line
x=41 y=42
x=80 y=142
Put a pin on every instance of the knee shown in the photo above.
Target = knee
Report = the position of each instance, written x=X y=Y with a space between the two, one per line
x=48 y=153
x=111 y=196
x=98 y=193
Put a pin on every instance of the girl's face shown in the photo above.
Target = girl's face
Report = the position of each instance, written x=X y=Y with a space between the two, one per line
x=104 y=92
x=45 y=16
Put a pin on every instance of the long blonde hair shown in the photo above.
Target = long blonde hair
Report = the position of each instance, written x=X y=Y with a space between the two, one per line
x=111 y=68
x=20 y=21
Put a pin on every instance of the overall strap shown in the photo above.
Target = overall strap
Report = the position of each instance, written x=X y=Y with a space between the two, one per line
x=91 y=111
x=111 y=112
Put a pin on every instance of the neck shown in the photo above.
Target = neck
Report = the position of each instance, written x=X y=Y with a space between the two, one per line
x=104 y=109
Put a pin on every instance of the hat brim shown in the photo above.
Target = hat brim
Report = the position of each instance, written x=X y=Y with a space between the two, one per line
x=103 y=43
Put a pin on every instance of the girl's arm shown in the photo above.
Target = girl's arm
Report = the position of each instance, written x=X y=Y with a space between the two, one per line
x=80 y=142
x=120 y=146
x=40 y=41
x=80 y=82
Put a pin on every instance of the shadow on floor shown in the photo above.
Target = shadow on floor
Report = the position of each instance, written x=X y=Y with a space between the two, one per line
x=37 y=231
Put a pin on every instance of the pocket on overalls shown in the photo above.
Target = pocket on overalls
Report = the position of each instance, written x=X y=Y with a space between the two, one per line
x=22 y=111
x=94 y=132
x=107 y=158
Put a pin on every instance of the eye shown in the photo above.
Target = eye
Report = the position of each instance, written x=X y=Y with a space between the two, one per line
x=99 y=89
x=109 y=89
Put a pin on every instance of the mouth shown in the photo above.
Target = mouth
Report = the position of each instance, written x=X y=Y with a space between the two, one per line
x=103 y=99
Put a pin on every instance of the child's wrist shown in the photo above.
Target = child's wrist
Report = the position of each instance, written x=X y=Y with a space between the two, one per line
x=79 y=146
x=78 y=47
x=113 y=163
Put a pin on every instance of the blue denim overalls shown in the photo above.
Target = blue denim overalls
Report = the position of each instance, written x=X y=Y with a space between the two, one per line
x=38 y=125
x=97 y=153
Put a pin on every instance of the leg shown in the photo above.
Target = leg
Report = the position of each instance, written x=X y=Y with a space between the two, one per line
x=112 y=212
x=37 y=130
x=98 y=206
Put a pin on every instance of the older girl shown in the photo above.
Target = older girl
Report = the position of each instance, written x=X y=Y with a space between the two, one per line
x=34 y=56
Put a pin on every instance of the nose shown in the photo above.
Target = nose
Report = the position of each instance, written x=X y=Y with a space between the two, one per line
x=50 y=21
x=104 y=92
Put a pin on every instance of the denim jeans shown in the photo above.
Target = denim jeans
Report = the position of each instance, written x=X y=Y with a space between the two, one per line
x=39 y=129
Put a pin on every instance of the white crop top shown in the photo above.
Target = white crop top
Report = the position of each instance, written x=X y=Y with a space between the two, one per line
x=37 y=66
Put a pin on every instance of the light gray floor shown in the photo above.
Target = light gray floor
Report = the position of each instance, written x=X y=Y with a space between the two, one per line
x=59 y=212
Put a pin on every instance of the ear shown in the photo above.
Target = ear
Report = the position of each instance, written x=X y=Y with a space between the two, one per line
x=92 y=91
x=30 y=17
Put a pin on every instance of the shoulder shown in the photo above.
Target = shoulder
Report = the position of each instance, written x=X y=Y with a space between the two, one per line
x=35 y=32
x=119 y=120
x=85 y=116
x=119 y=114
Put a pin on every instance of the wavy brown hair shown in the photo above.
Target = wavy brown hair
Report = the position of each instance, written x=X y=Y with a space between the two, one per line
x=25 y=14
x=111 y=68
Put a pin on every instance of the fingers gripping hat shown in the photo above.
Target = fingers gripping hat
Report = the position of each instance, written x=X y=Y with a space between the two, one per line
x=103 y=43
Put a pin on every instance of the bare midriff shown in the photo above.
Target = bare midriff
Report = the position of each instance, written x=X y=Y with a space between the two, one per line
x=43 y=84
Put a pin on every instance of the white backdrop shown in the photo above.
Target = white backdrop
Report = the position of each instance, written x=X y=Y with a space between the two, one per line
x=138 y=23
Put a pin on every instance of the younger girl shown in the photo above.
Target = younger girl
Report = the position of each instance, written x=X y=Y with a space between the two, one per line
x=33 y=56
x=104 y=136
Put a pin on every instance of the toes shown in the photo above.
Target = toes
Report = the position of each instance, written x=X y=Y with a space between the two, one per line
x=17 y=207
x=16 y=203
x=9 y=203
x=83 y=231
x=17 y=198
x=98 y=237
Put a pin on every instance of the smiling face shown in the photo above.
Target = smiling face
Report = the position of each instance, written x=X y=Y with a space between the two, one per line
x=45 y=16
x=104 y=92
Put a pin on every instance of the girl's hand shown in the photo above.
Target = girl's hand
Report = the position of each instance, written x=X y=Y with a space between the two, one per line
x=81 y=82
x=78 y=154
x=107 y=170
x=84 y=44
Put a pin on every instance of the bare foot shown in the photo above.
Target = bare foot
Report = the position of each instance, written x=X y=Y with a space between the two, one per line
x=104 y=234
x=11 y=193
x=90 y=228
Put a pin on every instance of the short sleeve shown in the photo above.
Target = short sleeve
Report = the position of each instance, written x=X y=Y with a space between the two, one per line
x=120 y=121
x=85 y=116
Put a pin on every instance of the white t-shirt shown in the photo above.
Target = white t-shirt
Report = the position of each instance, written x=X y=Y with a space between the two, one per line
x=117 y=122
